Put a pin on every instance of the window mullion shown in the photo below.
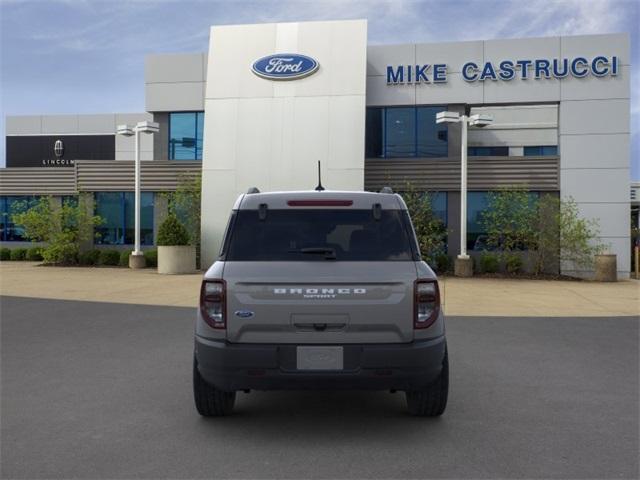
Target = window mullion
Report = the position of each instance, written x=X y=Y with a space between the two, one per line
x=384 y=133
x=415 y=132
x=123 y=205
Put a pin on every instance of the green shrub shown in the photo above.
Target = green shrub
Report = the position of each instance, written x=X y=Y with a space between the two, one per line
x=489 y=262
x=109 y=257
x=61 y=254
x=172 y=232
x=124 y=258
x=431 y=232
x=18 y=253
x=513 y=263
x=5 y=254
x=62 y=228
x=34 y=254
x=151 y=258
x=443 y=263
x=90 y=257
x=185 y=204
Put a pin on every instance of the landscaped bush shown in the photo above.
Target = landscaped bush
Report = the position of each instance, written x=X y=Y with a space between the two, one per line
x=90 y=257
x=549 y=228
x=151 y=258
x=431 y=232
x=513 y=263
x=489 y=262
x=5 y=254
x=61 y=254
x=34 y=254
x=172 y=232
x=185 y=204
x=124 y=258
x=443 y=263
x=18 y=253
x=109 y=257
x=61 y=228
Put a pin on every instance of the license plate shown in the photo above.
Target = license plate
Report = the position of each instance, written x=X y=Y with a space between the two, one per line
x=319 y=358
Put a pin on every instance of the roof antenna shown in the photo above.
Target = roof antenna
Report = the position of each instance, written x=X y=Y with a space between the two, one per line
x=319 y=188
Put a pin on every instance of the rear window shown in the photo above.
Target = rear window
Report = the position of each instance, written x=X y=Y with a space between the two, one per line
x=319 y=235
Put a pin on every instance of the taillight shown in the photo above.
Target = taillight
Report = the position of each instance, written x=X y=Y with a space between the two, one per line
x=213 y=303
x=426 y=303
x=320 y=203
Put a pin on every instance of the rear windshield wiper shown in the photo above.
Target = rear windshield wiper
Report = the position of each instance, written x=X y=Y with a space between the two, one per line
x=329 y=253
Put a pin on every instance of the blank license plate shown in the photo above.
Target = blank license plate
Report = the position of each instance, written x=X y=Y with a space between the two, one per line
x=319 y=358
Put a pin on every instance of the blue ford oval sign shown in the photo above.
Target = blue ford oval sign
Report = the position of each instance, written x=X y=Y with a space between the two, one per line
x=285 y=66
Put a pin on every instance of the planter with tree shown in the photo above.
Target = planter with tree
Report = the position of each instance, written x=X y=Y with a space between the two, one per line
x=175 y=255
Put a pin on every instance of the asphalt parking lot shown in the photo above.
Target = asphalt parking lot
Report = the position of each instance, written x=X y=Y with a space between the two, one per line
x=101 y=390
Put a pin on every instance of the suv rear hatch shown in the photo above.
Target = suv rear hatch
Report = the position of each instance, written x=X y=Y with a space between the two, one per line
x=311 y=275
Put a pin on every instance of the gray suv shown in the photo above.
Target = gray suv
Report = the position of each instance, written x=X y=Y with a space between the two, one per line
x=320 y=290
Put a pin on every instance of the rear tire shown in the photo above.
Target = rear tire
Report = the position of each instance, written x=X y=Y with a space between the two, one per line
x=432 y=401
x=210 y=402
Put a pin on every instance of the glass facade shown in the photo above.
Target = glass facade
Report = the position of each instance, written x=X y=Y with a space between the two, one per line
x=541 y=151
x=488 y=151
x=185 y=135
x=10 y=232
x=477 y=203
x=71 y=200
x=401 y=132
x=439 y=205
x=117 y=212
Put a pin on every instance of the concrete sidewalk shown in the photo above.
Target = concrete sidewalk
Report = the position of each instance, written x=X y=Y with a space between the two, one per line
x=461 y=296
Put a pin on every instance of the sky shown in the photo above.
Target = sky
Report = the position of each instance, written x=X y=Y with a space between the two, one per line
x=87 y=56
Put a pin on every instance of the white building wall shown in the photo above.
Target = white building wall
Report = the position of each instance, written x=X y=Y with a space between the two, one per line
x=518 y=126
x=175 y=82
x=594 y=143
x=270 y=134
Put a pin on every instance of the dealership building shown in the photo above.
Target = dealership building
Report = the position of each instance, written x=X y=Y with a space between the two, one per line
x=268 y=101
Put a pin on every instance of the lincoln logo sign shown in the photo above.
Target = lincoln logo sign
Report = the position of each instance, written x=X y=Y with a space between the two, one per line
x=58 y=148
x=506 y=70
x=285 y=66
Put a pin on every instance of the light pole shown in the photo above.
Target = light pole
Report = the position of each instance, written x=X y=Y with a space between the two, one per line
x=136 y=259
x=463 y=264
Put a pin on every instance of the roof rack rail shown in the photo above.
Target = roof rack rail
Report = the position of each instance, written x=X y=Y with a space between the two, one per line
x=253 y=190
x=386 y=190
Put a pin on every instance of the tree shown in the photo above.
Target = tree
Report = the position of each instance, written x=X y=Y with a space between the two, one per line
x=546 y=244
x=430 y=230
x=562 y=236
x=550 y=228
x=184 y=203
x=62 y=227
x=509 y=219
x=579 y=242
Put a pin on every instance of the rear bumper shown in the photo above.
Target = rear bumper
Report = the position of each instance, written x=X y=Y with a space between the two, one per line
x=406 y=366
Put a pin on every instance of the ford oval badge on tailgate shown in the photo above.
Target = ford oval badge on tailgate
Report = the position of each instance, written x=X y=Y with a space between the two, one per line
x=244 y=313
x=285 y=66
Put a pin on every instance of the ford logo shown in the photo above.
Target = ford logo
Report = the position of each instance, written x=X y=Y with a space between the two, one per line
x=244 y=313
x=285 y=66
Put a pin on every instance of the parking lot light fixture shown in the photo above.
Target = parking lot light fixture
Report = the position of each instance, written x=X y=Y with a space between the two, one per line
x=477 y=120
x=136 y=259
